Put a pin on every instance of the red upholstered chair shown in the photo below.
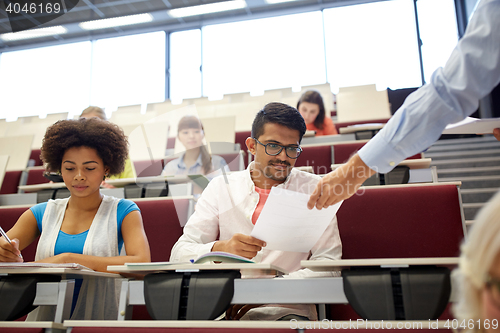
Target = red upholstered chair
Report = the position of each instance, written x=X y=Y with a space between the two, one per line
x=171 y=143
x=235 y=161
x=343 y=151
x=402 y=222
x=9 y=217
x=11 y=182
x=35 y=156
x=399 y=221
x=319 y=157
x=148 y=168
x=162 y=218
x=240 y=137
x=35 y=176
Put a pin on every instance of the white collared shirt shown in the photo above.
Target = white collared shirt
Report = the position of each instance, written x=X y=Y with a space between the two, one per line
x=227 y=208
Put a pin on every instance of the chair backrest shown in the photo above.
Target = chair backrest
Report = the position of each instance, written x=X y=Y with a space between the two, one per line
x=163 y=219
x=19 y=150
x=235 y=161
x=171 y=142
x=10 y=182
x=35 y=176
x=402 y=221
x=319 y=157
x=343 y=151
x=148 y=168
x=362 y=103
x=9 y=217
x=240 y=137
x=35 y=157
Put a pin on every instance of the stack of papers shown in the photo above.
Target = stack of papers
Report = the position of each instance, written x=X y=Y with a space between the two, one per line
x=42 y=265
x=473 y=126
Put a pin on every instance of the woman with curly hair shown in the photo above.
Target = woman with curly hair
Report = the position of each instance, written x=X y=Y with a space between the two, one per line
x=87 y=228
x=97 y=112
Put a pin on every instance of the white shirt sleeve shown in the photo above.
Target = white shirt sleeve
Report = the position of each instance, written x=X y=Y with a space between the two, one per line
x=202 y=229
x=471 y=72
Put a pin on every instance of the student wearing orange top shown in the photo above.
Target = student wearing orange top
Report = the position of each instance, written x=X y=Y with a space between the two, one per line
x=312 y=109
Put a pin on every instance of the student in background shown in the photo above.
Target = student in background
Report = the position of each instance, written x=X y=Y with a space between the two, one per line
x=479 y=272
x=196 y=160
x=312 y=108
x=229 y=207
x=95 y=111
x=87 y=228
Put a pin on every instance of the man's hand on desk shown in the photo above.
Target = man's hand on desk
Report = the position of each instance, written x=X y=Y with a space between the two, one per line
x=236 y=311
x=242 y=245
x=340 y=184
x=10 y=252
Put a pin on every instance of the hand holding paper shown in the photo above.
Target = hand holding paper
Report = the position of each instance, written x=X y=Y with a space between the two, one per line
x=286 y=224
x=242 y=245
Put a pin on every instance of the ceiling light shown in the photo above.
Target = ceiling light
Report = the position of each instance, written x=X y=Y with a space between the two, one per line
x=272 y=2
x=207 y=8
x=116 y=21
x=34 y=33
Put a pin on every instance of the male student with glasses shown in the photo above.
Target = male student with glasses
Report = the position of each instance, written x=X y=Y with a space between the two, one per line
x=230 y=205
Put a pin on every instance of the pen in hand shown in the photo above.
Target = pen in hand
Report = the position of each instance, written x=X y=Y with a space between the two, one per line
x=8 y=239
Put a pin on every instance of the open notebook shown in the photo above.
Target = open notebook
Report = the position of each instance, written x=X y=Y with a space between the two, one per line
x=219 y=257
x=42 y=265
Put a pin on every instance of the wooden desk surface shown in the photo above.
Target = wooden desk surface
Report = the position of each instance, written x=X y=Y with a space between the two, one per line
x=335 y=265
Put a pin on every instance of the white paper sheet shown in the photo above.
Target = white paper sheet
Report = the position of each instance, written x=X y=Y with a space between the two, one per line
x=286 y=224
x=473 y=126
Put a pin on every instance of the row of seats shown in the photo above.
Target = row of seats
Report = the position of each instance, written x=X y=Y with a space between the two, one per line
x=398 y=221
x=320 y=157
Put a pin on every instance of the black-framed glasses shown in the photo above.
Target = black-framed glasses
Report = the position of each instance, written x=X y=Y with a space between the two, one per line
x=274 y=149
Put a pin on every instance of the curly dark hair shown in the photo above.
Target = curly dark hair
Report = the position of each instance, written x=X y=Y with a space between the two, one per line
x=106 y=138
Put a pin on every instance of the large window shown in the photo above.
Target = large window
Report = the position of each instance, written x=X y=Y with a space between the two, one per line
x=257 y=55
x=45 y=80
x=128 y=70
x=359 y=44
x=438 y=32
x=185 y=64
x=372 y=43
